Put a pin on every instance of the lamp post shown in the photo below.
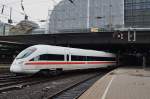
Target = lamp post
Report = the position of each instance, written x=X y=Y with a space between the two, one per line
x=110 y=15
x=88 y=14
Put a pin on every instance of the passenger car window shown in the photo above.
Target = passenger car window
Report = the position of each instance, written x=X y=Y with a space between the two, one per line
x=50 y=57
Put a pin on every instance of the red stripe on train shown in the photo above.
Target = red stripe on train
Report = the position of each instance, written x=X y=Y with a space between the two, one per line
x=48 y=63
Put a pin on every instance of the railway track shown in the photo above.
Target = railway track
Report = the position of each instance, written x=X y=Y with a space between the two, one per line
x=9 y=75
x=73 y=91
x=50 y=88
x=13 y=78
x=19 y=82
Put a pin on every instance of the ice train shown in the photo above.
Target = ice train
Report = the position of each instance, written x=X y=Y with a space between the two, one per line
x=48 y=58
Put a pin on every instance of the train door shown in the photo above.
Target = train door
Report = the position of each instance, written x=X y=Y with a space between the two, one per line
x=68 y=58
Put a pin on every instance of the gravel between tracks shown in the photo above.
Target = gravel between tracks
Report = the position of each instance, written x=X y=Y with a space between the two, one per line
x=39 y=91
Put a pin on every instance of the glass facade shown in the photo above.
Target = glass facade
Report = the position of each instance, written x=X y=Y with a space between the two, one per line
x=137 y=13
x=103 y=14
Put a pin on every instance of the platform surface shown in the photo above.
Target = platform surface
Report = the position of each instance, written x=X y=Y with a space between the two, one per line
x=122 y=83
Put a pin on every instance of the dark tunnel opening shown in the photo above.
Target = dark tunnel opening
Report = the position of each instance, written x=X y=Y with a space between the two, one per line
x=131 y=60
x=141 y=61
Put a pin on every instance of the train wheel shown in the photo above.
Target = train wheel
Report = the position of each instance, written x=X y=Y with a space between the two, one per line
x=56 y=72
x=45 y=72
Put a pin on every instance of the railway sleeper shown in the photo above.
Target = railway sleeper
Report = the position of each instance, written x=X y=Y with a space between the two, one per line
x=51 y=72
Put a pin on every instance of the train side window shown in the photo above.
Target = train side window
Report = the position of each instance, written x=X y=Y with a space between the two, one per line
x=32 y=59
x=93 y=58
x=78 y=58
x=35 y=58
x=53 y=57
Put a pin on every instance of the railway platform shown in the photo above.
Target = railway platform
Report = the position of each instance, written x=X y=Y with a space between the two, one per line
x=122 y=83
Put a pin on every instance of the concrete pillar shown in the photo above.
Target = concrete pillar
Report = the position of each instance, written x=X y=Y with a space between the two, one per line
x=118 y=56
x=4 y=29
x=144 y=62
x=118 y=60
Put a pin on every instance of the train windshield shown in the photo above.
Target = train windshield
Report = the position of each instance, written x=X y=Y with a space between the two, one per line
x=26 y=53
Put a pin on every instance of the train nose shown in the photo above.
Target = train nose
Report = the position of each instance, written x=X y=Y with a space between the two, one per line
x=16 y=68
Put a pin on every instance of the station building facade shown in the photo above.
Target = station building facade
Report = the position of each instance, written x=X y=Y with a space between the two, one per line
x=103 y=14
x=68 y=17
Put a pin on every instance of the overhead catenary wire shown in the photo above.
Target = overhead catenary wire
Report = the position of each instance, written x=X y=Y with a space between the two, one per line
x=10 y=19
x=7 y=17
x=28 y=3
x=3 y=9
x=71 y=1
x=21 y=13
x=13 y=2
x=7 y=5
x=23 y=9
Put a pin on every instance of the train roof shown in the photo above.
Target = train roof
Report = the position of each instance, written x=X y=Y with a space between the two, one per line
x=73 y=51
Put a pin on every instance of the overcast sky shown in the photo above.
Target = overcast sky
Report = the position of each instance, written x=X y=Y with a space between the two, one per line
x=35 y=9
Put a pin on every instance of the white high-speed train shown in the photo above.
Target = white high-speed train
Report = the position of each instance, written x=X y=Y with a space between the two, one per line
x=48 y=58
